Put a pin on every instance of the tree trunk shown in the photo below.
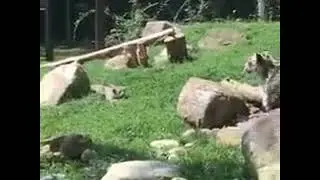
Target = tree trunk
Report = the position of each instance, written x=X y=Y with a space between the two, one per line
x=262 y=10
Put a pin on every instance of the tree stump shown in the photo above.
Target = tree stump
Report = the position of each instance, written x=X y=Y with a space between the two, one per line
x=176 y=47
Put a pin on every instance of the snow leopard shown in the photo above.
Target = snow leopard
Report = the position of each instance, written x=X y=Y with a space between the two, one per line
x=267 y=68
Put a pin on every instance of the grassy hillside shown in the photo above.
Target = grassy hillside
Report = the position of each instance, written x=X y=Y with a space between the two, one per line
x=127 y=128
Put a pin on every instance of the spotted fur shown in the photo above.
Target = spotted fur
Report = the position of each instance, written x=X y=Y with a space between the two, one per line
x=265 y=66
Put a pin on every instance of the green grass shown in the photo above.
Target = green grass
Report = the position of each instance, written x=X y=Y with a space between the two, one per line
x=125 y=130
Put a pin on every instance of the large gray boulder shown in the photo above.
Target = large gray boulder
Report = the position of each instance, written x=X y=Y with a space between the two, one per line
x=64 y=83
x=141 y=170
x=261 y=145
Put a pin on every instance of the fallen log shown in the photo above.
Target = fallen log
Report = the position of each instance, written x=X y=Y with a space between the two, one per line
x=82 y=58
x=207 y=104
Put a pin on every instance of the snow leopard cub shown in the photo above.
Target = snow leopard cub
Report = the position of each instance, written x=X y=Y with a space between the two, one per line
x=264 y=65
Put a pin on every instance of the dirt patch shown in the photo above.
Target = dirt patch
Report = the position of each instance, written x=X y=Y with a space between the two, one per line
x=220 y=38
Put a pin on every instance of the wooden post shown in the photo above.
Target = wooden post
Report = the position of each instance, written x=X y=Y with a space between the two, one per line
x=176 y=47
x=99 y=24
x=48 y=29
x=68 y=22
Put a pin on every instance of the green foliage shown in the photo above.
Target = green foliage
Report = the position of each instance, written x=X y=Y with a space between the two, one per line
x=125 y=26
x=128 y=26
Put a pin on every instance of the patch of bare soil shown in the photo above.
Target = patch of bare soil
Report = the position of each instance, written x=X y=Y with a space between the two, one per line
x=220 y=38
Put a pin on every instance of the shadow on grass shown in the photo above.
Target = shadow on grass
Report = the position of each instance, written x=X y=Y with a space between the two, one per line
x=226 y=170
x=117 y=154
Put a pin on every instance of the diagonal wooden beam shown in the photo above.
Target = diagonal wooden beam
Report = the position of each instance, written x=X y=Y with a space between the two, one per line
x=145 y=40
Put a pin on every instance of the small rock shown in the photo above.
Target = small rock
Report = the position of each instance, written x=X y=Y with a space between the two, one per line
x=178 y=178
x=158 y=26
x=215 y=131
x=180 y=151
x=88 y=155
x=68 y=146
x=207 y=132
x=53 y=177
x=118 y=62
x=165 y=144
x=44 y=150
x=189 y=144
x=269 y=172
x=132 y=170
x=174 y=154
x=230 y=136
x=49 y=177
x=173 y=157
x=189 y=132
x=202 y=132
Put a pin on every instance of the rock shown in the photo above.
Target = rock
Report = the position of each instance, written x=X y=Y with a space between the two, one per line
x=49 y=177
x=180 y=151
x=207 y=132
x=69 y=146
x=178 y=178
x=44 y=150
x=88 y=155
x=64 y=83
x=173 y=157
x=121 y=61
x=254 y=110
x=148 y=170
x=189 y=144
x=158 y=26
x=260 y=144
x=270 y=172
x=229 y=136
x=164 y=144
x=207 y=104
x=189 y=132
x=202 y=132
x=54 y=177
x=130 y=56
x=174 y=154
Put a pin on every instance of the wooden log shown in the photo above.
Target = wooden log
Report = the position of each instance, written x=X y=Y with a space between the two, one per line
x=206 y=104
x=82 y=58
x=176 y=47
